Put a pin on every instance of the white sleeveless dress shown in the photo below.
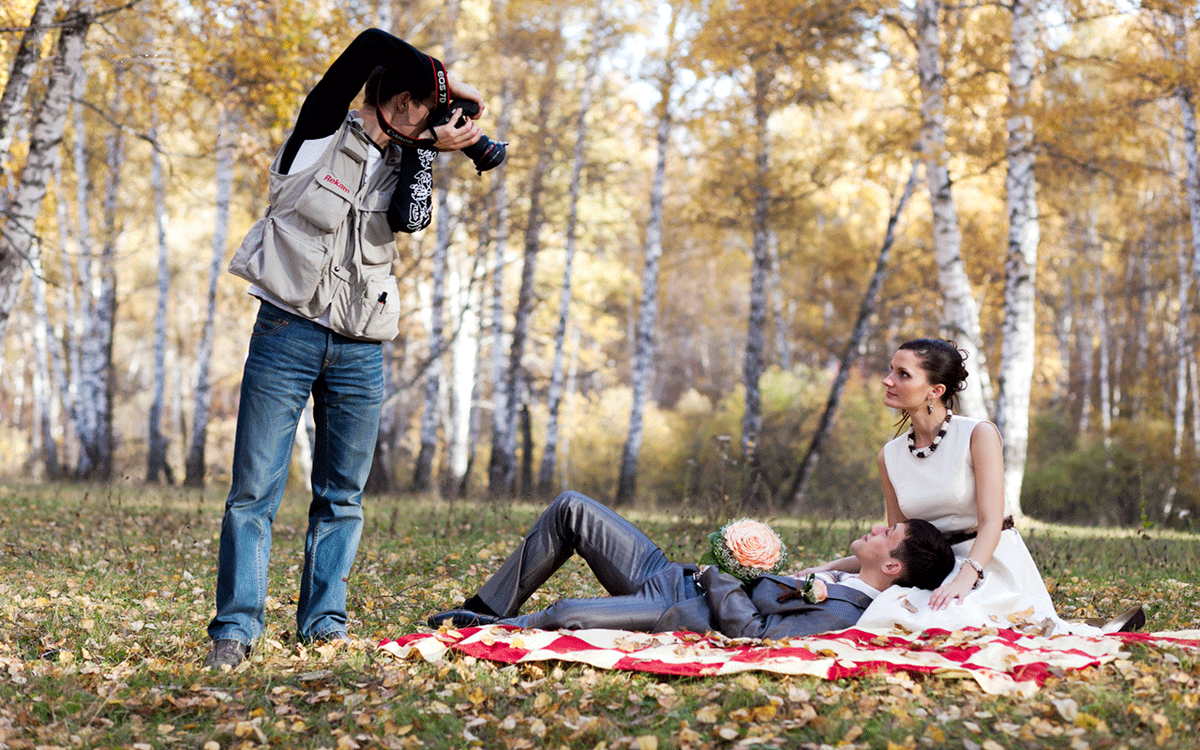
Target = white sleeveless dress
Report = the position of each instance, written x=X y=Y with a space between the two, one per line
x=940 y=488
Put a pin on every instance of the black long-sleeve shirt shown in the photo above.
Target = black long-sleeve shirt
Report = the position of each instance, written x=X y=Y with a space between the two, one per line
x=324 y=111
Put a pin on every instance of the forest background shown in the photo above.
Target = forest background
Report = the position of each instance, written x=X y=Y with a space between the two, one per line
x=716 y=222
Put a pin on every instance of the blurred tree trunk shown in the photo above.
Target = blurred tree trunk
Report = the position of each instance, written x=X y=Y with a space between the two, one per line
x=156 y=449
x=45 y=399
x=866 y=310
x=545 y=483
x=1020 y=318
x=1184 y=357
x=423 y=470
x=960 y=313
x=19 y=227
x=782 y=310
x=643 y=360
x=752 y=360
x=96 y=377
x=516 y=379
x=502 y=466
x=66 y=373
x=25 y=62
x=226 y=141
x=464 y=366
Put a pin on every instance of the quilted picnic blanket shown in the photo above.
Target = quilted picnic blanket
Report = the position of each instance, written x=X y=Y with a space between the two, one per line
x=1000 y=661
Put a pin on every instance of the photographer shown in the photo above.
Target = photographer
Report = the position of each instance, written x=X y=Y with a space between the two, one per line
x=320 y=263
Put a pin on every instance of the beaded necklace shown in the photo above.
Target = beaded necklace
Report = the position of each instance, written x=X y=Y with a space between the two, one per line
x=926 y=452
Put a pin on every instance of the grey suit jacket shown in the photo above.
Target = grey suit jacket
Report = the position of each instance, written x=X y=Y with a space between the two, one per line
x=753 y=610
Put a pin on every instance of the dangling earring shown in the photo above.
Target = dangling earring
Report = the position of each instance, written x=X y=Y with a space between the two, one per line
x=928 y=406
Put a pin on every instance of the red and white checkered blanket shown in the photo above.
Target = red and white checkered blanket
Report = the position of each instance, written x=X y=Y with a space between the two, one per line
x=1000 y=661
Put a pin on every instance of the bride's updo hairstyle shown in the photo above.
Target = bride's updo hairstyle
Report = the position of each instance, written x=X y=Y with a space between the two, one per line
x=944 y=364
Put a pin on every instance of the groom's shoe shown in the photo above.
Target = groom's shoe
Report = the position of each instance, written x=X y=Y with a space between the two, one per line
x=1128 y=621
x=461 y=618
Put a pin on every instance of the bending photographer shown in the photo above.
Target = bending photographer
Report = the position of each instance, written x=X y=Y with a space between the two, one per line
x=320 y=262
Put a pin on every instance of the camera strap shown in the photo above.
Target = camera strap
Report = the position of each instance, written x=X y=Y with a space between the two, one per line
x=443 y=97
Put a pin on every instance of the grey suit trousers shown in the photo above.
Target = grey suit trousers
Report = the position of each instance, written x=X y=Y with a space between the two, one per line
x=642 y=583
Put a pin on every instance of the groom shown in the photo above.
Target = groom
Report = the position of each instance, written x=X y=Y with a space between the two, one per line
x=651 y=594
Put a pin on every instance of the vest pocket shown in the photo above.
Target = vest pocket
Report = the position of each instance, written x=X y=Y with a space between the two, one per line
x=326 y=201
x=372 y=312
x=281 y=260
x=379 y=243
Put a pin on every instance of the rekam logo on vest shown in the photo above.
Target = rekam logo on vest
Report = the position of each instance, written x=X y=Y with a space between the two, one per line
x=335 y=182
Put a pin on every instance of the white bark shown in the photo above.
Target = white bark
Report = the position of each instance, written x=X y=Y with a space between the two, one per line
x=1017 y=355
x=225 y=144
x=96 y=376
x=423 y=470
x=19 y=228
x=25 y=62
x=960 y=313
x=464 y=353
x=554 y=392
x=156 y=447
x=648 y=309
x=502 y=465
x=752 y=358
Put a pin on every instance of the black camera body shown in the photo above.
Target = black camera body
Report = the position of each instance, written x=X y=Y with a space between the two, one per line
x=486 y=153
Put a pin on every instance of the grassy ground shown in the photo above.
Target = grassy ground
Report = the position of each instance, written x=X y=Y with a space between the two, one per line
x=105 y=594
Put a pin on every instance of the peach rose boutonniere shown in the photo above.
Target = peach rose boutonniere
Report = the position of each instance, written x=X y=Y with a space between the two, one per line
x=745 y=549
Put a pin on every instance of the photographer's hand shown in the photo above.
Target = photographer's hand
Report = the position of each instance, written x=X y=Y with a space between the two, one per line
x=450 y=138
x=460 y=90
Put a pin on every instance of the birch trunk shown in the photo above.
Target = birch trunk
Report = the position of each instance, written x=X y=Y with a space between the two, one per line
x=515 y=377
x=25 y=62
x=430 y=417
x=156 y=442
x=464 y=357
x=648 y=310
x=752 y=360
x=96 y=377
x=47 y=410
x=866 y=311
x=1187 y=110
x=502 y=464
x=781 y=309
x=1184 y=356
x=202 y=398
x=19 y=227
x=1020 y=272
x=545 y=483
x=960 y=313
x=423 y=470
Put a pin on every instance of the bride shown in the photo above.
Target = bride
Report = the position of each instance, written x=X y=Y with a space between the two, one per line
x=949 y=470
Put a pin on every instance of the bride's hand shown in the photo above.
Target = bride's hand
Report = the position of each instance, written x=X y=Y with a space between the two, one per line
x=955 y=591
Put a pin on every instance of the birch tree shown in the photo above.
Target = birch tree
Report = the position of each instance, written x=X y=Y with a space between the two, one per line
x=752 y=361
x=25 y=62
x=423 y=470
x=960 y=313
x=545 y=483
x=643 y=357
x=1020 y=270
x=516 y=377
x=96 y=373
x=19 y=227
x=225 y=144
x=156 y=442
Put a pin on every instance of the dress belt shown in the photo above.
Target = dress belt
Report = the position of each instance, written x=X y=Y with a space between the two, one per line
x=954 y=537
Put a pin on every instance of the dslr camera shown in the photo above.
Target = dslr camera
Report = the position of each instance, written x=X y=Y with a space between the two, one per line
x=486 y=153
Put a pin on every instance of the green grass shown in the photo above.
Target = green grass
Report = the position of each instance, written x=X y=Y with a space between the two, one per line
x=105 y=594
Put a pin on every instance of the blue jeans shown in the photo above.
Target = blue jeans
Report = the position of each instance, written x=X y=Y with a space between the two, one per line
x=289 y=359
